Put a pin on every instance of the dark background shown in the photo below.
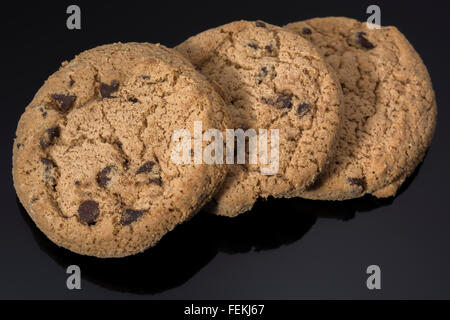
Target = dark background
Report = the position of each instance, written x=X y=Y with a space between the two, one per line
x=284 y=249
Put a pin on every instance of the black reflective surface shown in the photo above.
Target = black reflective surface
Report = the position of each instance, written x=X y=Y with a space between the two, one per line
x=283 y=248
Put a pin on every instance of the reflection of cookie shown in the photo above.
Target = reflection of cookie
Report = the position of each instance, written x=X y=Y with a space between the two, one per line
x=271 y=79
x=390 y=107
x=92 y=158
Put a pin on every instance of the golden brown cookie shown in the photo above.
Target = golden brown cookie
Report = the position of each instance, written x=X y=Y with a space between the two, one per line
x=92 y=157
x=389 y=103
x=271 y=79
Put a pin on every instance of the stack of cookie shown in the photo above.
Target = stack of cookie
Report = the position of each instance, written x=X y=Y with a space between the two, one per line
x=93 y=157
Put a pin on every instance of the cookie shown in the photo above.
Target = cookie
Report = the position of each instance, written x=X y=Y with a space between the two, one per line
x=92 y=158
x=271 y=79
x=390 y=107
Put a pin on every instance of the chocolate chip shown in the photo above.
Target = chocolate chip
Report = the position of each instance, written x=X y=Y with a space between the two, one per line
x=47 y=163
x=253 y=45
x=364 y=42
x=269 y=49
x=43 y=112
x=129 y=216
x=88 y=211
x=49 y=137
x=263 y=72
x=306 y=30
x=146 y=167
x=303 y=108
x=65 y=102
x=360 y=182
x=103 y=176
x=268 y=101
x=284 y=101
x=133 y=100
x=54 y=132
x=107 y=89
x=158 y=181
x=126 y=164
x=260 y=24
x=49 y=174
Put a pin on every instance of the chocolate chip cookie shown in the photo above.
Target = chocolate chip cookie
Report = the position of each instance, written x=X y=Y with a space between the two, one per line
x=271 y=79
x=389 y=103
x=92 y=156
